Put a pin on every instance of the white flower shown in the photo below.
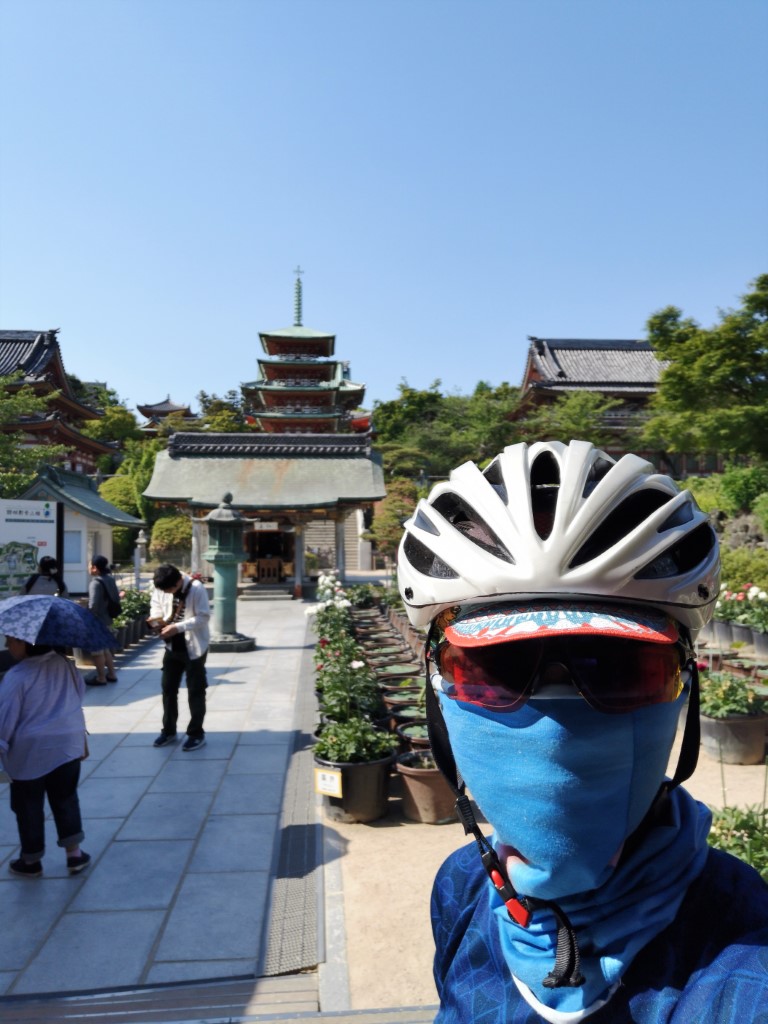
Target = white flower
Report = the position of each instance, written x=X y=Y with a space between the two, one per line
x=357 y=664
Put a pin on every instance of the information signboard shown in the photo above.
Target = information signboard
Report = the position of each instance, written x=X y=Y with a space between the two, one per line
x=28 y=530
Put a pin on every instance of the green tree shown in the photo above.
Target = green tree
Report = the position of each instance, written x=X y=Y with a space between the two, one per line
x=96 y=395
x=175 y=423
x=138 y=465
x=116 y=424
x=580 y=415
x=713 y=395
x=18 y=460
x=389 y=514
x=171 y=535
x=119 y=491
x=426 y=433
x=396 y=419
x=222 y=415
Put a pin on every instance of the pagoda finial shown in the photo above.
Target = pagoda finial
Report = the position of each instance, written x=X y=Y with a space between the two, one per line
x=297 y=298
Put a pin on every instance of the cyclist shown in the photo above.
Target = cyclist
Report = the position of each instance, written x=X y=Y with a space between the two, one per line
x=563 y=591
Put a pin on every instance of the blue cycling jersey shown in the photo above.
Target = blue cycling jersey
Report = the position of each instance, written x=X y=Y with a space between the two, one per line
x=710 y=966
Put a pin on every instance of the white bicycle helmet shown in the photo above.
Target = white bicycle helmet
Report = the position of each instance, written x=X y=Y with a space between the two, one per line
x=550 y=520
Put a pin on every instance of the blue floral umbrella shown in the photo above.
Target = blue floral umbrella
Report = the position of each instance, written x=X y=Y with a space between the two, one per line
x=44 y=619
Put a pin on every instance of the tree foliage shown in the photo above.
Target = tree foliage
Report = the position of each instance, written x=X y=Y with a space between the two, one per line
x=223 y=415
x=138 y=465
x=116 y=424
x=580 y=415
x=713 y=395
x=19 y=462
x=170 y=535
x=120 y=492
x=426 y=434
x=387 y=527
x=96 y=395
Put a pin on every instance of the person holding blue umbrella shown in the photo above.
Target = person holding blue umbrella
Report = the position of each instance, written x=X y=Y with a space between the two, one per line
x=42 y=741
x=42 y=725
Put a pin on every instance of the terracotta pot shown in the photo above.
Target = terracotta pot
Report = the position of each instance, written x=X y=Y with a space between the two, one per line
x=738 y=739
x=427 y=797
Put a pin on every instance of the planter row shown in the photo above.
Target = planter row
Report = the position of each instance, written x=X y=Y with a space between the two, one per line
x=724 y=634
x=395 y=651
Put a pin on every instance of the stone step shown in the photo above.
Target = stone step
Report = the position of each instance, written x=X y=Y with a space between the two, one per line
x=247 y=1001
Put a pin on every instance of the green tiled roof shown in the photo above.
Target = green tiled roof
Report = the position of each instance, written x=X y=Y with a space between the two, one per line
x=77 y=492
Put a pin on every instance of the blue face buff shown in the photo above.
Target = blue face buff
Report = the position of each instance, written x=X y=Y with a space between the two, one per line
x=564 y=786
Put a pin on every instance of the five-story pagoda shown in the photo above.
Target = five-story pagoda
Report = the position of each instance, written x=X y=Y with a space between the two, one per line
x=301 y=389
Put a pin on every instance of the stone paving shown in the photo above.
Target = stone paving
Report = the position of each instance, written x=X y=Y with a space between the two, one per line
x=183 y=844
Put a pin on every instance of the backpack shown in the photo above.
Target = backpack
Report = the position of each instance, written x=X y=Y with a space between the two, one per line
x=114 y=607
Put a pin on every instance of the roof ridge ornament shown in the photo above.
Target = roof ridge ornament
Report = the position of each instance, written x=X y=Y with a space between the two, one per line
x=297 y=311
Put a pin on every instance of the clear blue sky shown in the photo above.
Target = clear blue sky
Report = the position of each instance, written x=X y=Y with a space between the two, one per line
x=452 y=176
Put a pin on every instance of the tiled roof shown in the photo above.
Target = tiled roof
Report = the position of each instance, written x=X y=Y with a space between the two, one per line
x=268 y=472
x=163 y=408
x=622 y=364
x=269 y=445
x=30 y=351
x=78 y=492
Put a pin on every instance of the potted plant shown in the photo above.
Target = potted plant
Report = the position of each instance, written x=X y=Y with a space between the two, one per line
x=743 y=832
x=758 y=620
x=352 y=765
x=427 y=797
x=733 y=719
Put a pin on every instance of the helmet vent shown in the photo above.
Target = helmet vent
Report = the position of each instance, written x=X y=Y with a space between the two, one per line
x=464 y=519
x=681 y=516
x=426 y=561
x=683 y=557
x=633 y=511
x=545 y=487
x=425 y=524
x=494 y=477
x=599 y=468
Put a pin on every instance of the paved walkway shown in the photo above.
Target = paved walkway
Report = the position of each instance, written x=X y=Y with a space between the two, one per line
x=184 y=846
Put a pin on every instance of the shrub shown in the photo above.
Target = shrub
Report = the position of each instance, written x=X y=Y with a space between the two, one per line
x=743 y=485
x=760 y=510
x=723 y=694
x=171 y=534
x=743 y=832
x=353 y=741
x=744 y=566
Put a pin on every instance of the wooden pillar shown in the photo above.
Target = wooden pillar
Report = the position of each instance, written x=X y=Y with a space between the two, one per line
x=298 y=560
x=340 y=553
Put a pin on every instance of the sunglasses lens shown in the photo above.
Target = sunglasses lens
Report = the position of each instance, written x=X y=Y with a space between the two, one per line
x=498 y=676
x=626 y=675
x=613 y=676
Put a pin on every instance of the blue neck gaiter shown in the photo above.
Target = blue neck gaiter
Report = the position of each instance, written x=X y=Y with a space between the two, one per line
x=564 y=786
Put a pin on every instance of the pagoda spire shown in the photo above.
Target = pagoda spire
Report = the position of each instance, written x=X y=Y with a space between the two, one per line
x=297 y=298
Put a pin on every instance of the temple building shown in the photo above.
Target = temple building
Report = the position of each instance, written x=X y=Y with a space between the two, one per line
x=155 y=414
x=36 y=357
x=303 y=480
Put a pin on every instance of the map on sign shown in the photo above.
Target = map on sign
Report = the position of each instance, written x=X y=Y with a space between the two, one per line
x=17 y=563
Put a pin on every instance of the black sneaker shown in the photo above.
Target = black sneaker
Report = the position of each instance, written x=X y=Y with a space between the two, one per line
x=194 y=743
x=25 y=869
x=76 y=864
x=164 y=739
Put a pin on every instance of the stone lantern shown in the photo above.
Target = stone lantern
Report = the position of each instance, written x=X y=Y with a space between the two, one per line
x=225 y=551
